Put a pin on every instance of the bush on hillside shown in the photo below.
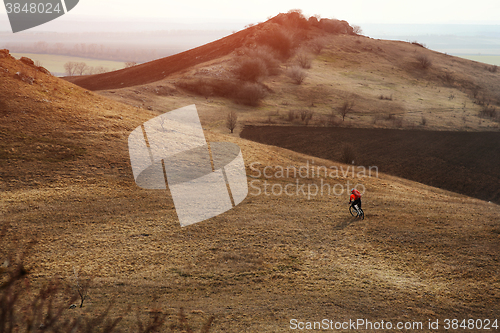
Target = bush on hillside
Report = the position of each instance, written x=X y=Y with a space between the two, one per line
x=336 y=26
x=297 y=74
x=423 y=61
x=304 y=60
x=267 y=55
x=209 y=87
x=250 y=69
x=347 y=153
x=279 y=40
x=489 y=112
x=250 y=94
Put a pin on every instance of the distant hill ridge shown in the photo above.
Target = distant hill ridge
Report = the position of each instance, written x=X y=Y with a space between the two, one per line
x=293 y=22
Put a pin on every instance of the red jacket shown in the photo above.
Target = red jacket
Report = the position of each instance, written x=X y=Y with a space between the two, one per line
x=355 y=195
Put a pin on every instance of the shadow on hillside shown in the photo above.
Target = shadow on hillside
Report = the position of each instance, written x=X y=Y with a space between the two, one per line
x=345 y=223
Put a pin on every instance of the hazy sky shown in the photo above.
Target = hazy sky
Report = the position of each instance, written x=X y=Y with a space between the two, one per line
x=353 y=11
x=367 y=11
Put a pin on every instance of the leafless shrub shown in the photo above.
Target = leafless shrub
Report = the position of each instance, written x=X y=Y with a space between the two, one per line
x=346 y=107
x=475 y=92
x=81 y=286
x=291 y=115
x=231 y=120
x=387 y=98
x=423 y=121
x=279 y=40
x=356 y=29
x=448 y=78
x=251 y=94
x=347 y=153
x=297 y=74
x=250 y=69
x=306 y=116
x=489 y=112
x=129 y=64
x=317 y=45
x=309 y=117
x=267 y=55
x=423 y=61
x=303 y=114
x=304 y=60
x=493 y=69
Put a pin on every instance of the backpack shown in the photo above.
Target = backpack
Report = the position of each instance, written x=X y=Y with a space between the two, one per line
x=356 y=193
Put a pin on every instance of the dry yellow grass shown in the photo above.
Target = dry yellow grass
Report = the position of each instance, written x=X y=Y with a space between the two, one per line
x=421 y=253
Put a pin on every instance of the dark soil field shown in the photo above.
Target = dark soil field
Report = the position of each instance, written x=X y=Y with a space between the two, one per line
x=463 y=162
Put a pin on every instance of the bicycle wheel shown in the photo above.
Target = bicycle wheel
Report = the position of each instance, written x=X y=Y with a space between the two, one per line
x=362 y=215
x=353 y=211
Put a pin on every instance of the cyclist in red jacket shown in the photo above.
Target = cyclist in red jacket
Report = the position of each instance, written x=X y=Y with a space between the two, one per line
x=355 y=199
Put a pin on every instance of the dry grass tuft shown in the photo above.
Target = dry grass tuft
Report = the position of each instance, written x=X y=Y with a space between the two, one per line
x=297 y=74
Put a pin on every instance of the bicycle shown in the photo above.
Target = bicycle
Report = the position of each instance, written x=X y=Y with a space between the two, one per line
x=356 y=211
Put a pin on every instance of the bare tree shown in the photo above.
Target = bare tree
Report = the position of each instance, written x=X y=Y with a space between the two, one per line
x=101 y=69
x=80 y=68
x=231 y=121
x=70 y=68
x=81 y=286
x=346 y=108
x=306 y=116
x=90 y=70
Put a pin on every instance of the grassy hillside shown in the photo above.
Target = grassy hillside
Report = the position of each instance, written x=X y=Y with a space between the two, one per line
x=390 y=84
x=421 y=253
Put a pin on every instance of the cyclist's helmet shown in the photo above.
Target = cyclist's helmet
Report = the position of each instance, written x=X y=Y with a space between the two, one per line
x=352 y=191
